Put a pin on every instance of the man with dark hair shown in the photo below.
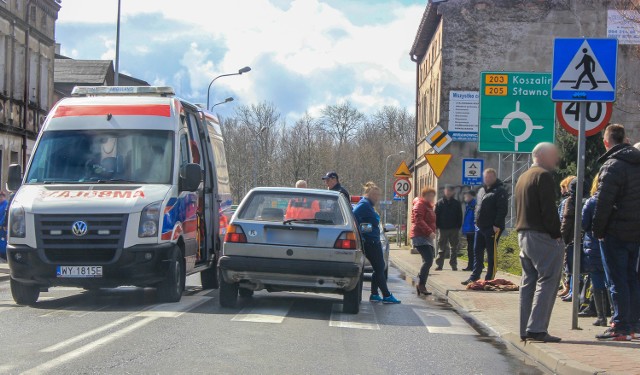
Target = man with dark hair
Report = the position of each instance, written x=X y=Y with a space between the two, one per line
x=448 y=222
x=491 y=210
x=616 y=222
x=332 y=181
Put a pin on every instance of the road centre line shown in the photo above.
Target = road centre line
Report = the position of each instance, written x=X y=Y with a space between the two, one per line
x=272 y=312
x=49 y=365
x=366 y=319
x=87 y=334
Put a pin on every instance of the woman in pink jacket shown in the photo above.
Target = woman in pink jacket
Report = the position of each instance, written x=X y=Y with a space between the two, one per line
x=423 y=233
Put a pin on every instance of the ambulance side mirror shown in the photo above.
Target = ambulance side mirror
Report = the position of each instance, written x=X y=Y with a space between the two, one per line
x=14 y=180
x=190 y=177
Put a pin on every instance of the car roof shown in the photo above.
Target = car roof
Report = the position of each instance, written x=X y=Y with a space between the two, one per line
x=296 y=191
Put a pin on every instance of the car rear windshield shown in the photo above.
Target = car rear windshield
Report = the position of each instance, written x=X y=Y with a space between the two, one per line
x=293 y=208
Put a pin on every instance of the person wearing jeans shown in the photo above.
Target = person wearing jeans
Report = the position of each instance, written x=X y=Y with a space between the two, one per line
x=365 y=213
x=491 y=211
x=616 y=223
x=469 y=227
x=423 y=233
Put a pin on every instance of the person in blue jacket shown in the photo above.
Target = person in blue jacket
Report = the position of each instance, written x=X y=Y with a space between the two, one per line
x=365 y=213
x=3 y=231
x=469 y=226
x=593 y=258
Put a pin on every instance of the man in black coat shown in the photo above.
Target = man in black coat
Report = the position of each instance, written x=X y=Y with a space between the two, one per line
x=448 y=223
x=332 y=181
x=616 y=222
x=491 y=210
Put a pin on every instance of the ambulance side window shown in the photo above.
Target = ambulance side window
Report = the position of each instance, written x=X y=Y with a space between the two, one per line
x=184 y=150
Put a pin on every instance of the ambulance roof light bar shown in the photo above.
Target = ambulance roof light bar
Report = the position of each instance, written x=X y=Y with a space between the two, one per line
x=122 y=90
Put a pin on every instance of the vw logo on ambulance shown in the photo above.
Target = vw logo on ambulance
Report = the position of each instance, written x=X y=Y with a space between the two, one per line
x=79 y=228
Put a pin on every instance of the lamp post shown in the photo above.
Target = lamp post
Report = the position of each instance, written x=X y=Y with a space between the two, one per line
x=227 y=100
x=116 y=76
x=246 y=69
x=386 y=179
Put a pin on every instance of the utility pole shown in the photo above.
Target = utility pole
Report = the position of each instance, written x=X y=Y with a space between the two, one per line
x=116 y=78
x=27 y=72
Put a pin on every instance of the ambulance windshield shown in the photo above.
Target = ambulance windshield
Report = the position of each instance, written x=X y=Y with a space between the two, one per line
x=103 y=156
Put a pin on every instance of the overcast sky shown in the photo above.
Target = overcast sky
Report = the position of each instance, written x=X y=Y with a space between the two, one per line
x=305 y=54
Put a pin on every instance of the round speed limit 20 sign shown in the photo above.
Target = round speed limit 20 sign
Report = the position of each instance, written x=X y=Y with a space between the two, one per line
x=598 y=116
x=402 y=187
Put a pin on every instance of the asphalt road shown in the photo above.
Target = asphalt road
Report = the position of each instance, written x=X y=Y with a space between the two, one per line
x=123 y=331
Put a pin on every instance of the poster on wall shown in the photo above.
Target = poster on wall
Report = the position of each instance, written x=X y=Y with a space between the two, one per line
x=463 y=115
x=624 y=26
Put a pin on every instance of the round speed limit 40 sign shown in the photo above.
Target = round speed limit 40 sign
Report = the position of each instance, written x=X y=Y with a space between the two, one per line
x=598 y=116
x=402 y=187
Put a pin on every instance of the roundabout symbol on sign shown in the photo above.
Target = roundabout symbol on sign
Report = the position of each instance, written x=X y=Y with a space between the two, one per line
x=518 y=115
x=402 y=187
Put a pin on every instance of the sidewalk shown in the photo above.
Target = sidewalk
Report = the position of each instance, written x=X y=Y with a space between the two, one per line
x=578 y=353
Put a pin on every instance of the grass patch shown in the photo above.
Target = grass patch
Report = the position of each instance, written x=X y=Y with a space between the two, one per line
x=508 y=253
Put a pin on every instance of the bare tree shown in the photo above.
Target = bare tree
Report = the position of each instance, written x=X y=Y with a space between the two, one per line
x=342 y=121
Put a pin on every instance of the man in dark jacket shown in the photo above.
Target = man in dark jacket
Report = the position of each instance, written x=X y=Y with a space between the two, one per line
x=616 y=222
x=491 y=210
x=448 y=222
x=332 y=181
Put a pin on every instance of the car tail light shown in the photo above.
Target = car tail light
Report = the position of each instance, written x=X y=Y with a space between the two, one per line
x=355 y=199
x=347 y=241
x=235 y=234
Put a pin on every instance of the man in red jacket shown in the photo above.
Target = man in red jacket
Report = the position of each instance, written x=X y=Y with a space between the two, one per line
x=423 y=233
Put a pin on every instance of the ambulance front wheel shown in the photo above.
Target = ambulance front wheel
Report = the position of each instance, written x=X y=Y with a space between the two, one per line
x=24 y=294
x=170 y=290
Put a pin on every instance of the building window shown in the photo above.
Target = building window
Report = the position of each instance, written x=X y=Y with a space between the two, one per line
x=15 y=157
x=43 y=22
x=3 y=62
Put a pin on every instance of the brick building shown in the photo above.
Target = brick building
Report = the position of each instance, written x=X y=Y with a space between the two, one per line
x=19 y=19
x=458 y=39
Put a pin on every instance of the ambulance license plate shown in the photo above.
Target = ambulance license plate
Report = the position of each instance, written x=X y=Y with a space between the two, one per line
x=79 y=271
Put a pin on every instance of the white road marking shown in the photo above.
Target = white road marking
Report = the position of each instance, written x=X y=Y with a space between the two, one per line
x=272 y=312
x=50 y=365
x=64 y=310
x=174 y=310
x=87 y=334
x=6 y=308
x=6 y=369
x=444 y=322
x=366 y=319
x=81 y=314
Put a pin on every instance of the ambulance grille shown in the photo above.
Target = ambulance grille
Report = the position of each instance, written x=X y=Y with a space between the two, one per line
x=104 y=236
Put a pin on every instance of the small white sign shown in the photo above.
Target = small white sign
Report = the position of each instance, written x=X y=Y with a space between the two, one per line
x=463 y=115
x=624 y=26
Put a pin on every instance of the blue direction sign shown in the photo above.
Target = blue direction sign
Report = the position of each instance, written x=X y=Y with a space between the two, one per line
x=398 y=198
x=472 y=172
x=584 y=70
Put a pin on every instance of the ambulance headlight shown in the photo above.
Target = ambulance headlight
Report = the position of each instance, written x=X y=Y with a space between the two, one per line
x=17 y=222
x=149 y=219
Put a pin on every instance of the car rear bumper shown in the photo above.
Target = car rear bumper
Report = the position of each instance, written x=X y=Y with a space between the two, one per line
x=298 y=274
x=131 y=266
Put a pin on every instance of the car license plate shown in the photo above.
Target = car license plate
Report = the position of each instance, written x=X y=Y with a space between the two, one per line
x=79 y=271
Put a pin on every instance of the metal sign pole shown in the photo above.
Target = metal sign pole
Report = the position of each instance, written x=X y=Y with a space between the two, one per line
x=577 y=230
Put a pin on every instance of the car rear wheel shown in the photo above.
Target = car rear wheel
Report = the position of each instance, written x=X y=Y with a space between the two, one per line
x=352 y=298
x=209 y=278
x=170 y=290
x=24 y=294
x=246 y=293
x=228 y=293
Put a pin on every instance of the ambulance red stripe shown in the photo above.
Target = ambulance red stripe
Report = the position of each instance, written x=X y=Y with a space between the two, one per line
x=162 y=110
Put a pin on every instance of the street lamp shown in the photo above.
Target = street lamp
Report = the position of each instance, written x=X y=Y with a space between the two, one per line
x=227 y=100
x=246 y=69
x=386 y=179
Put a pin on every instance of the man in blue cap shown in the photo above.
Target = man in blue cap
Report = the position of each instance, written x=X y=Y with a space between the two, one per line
x=332 y=181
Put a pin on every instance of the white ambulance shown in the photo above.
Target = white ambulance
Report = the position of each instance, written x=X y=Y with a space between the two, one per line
x=126 y=186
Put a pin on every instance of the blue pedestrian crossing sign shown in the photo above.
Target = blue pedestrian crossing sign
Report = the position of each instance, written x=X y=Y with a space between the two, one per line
x=584 y=70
